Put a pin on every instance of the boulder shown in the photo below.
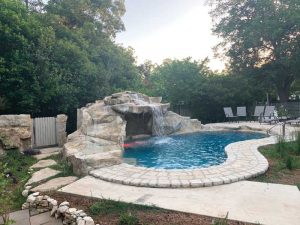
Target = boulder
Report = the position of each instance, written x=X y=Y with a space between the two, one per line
x=15 y=132
x=172 y=123
x=102 y=127
x=15 y=120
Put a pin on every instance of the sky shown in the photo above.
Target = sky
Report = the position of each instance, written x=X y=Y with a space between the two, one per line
x=160 y=29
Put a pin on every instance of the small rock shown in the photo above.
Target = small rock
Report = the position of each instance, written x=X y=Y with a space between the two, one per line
x=44 y=203
x=28 y=187
x=63 y=209
x=45 y=197
x=42 y=210
x=80 y=221
x=53 y=211
x=35 y=194
x=88 y=220
x=25 y=193
x=31 y=199
x=39 y=198
x=25 y=206
x=72 y=210
x=82 y=214
x=78 y=212
x=65 y=203
x=52 y=203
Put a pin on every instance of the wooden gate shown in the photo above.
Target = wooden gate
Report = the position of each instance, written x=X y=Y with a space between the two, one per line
x=44 y=130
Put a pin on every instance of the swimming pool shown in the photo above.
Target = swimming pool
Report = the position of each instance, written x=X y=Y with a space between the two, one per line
x=197 y=150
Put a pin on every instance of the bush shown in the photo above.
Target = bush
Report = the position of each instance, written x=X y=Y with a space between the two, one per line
x=223 y=221
x=105 y=207
x=280 y=148
x=128 y=219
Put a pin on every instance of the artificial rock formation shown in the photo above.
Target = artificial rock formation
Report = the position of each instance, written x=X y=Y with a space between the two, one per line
x=15 y=132
x=103 y=126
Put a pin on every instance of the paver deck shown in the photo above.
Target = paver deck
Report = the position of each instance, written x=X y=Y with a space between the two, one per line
x=243 y=162
x=254 y=202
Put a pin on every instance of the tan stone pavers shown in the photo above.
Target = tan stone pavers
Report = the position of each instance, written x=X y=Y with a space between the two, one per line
x=243 y=162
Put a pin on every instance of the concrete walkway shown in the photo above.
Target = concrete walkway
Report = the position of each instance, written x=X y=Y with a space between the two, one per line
x=23 y=217
x=255 y=202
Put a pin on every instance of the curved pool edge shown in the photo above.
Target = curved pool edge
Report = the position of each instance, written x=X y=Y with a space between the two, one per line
x=240 y=165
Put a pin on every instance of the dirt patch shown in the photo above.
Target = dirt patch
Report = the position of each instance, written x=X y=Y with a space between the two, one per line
x=277 y=171
x=146 y=217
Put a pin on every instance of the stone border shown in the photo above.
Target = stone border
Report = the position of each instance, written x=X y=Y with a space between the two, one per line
x=43 y=203
x=243 y=162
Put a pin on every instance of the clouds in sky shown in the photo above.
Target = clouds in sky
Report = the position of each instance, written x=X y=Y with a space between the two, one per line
x=160 y=29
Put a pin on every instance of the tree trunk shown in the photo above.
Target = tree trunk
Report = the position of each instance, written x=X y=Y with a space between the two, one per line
x=284 y=92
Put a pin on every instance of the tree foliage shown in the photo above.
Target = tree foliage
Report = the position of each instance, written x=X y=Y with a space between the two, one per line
x=192 y=85
x=58 y=56
x=261 y=37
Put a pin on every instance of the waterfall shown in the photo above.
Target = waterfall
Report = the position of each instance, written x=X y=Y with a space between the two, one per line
x=157 y=115
x=157 y=120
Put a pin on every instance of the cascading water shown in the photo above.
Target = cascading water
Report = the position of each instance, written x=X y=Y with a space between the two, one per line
x=157 y=120
x=157 y=115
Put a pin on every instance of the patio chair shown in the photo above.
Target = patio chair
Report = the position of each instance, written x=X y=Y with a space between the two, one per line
x=270 y=115
x=241 y=112
x=229 y=114
x=295 y=121
x=258 y=112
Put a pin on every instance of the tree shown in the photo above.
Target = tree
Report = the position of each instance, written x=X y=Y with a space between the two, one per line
x=261 y=37
x=58 y=56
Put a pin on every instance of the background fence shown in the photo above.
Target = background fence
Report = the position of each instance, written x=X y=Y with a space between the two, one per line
x=292 y=109
x=44 y=131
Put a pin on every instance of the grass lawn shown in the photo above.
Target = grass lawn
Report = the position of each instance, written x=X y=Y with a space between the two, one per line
x=14 y=166
x=284 y=163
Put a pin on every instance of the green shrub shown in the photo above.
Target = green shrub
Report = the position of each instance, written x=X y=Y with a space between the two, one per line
x=104 y=207
x=289 y=163
x=281 y=148
x=223 y=221
x=128 y=219
x=6 y=195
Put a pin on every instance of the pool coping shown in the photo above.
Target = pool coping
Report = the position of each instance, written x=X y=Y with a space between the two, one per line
x=240 y=165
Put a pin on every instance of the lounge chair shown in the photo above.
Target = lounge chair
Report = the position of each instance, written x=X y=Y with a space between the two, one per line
x=295 y=121
x=229 y=114
x=241 y=112
x=258 y=112
x=270 y=115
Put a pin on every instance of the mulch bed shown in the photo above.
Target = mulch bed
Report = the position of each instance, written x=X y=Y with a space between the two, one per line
x=155 y=217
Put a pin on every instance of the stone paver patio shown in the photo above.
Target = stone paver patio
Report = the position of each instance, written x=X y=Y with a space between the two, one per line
x=244 y=161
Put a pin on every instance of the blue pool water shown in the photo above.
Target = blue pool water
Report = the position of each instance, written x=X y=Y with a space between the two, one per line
x=185 y=151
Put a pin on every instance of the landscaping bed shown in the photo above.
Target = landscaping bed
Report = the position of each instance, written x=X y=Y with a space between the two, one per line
x=14 y=170
x=284 y=163
x=108 y=212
